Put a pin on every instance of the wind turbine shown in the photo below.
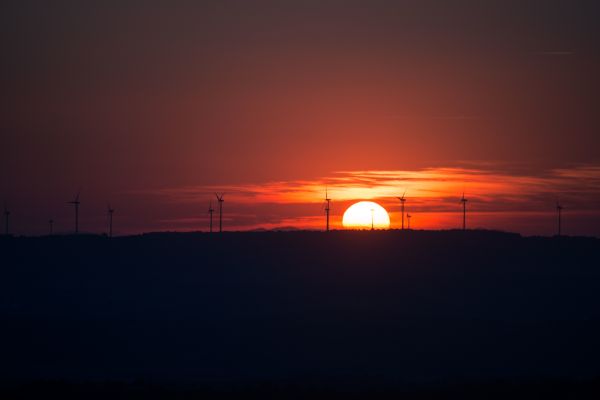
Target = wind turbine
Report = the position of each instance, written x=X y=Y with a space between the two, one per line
x=110 y=212
x=210 y=212
x=6 y=215
x=402 y=200
x=559 y=209
x=220 y=199
x=408 y=218
x=372 y=219
x=463 y=200
x=76 y=203
x=327 y=209
x=51 y=222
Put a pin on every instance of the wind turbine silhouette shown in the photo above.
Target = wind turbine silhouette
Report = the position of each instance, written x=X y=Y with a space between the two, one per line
x=559 y=209
x=220 y=199
x=210 y=212
x=6 y=215
x=51 y=222
x=110 y=212
x=372 y=219
x=76 y=203
x=463 y=200
x=402 y=200
x=327 y=209
x=408 y=218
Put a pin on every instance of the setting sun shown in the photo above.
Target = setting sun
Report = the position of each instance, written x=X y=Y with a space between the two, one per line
x=366 y=215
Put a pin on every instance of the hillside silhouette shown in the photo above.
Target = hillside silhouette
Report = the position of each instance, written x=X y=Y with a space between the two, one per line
x=347 y=307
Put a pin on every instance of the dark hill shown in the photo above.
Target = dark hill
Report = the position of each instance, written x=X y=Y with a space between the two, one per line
x=390 y=306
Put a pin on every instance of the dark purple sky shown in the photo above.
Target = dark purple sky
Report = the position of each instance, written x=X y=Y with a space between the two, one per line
x=128 y=98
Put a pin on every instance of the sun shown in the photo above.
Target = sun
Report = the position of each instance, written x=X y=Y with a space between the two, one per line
x=366 y=215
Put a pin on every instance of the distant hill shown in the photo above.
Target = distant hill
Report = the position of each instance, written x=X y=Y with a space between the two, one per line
x=400 y=307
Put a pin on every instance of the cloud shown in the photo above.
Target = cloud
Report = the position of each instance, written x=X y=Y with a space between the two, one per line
x=432 y=192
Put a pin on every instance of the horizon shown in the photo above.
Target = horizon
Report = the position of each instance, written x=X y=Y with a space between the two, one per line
x=503 y=200
x=293 y=230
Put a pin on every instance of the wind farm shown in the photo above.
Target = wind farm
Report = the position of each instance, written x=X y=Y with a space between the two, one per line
x=372 y=216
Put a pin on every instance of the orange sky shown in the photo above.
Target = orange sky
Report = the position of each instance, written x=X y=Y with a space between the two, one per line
x=151 y=105
x=496 y=200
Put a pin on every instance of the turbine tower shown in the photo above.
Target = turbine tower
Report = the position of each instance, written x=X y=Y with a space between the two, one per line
x=559 y=209
x=408 y=219
x=110 y=212
x=327 y=209
x=76 y=203
x=372 y=219
x=220 y=199
x=6 y=215
x=51 y=222
x=402 y=200
x=210 y=212
x=463 y=200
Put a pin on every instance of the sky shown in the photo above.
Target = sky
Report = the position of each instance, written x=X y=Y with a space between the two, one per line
x=153 y=105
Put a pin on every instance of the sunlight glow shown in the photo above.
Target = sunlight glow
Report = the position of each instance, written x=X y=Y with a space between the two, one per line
x=498 y=199
x=365 y=215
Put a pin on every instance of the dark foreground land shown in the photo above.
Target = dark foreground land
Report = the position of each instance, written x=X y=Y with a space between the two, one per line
x=366 y=314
